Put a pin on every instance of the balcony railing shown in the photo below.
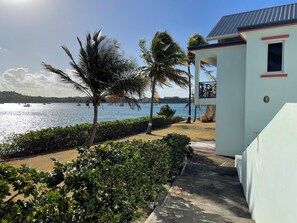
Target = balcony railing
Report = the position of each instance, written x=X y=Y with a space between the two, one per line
x=208 y=89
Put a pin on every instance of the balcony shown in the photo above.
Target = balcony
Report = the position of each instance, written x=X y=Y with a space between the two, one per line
x=207 y=89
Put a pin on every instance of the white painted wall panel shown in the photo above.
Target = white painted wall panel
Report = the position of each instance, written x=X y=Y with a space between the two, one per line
x=269 y=178
x=280 y=89
x=230 y=97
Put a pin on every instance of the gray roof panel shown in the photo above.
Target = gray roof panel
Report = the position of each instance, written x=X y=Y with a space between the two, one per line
x=228 y=25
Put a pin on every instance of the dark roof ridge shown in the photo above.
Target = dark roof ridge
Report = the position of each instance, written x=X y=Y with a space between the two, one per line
x=255 y=10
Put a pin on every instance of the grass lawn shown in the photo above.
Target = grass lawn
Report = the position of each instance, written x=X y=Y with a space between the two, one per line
x=196 y=131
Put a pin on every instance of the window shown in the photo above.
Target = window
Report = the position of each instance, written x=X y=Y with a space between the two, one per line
x=275 y=57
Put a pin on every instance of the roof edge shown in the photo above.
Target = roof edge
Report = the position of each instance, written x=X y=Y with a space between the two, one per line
x=272 y=24
x=210 y=46
x=222 y=37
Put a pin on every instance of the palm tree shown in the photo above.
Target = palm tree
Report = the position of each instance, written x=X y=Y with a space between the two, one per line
x=102 y=71
x=161 y=60
x=194 y=40
x=196 y=106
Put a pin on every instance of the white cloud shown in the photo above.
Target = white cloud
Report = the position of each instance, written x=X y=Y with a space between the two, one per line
x=3 y=49
x=172 y=91
x=23 y=81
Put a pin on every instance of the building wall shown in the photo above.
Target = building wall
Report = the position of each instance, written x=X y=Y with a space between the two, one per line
x=268 y=171
x=230 y=97
x=279 y=89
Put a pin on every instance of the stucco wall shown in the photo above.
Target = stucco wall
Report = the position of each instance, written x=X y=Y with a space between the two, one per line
x=269 y=176
x=230 y=97
x=280 y=89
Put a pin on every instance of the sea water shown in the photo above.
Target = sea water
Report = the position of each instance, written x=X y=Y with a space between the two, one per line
x=15 y=118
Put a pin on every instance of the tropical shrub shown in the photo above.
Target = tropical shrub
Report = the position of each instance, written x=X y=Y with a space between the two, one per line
x=106 y=183
x=58 y=138
x=179 y=149
x=167 y=111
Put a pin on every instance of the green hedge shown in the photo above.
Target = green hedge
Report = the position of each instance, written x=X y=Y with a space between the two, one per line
x=107 y=183
x=58 y=138
x=178 y=150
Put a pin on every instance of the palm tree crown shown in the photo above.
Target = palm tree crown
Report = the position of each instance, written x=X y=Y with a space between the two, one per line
x=194 y=40
x=102 y=71
x=161 y=60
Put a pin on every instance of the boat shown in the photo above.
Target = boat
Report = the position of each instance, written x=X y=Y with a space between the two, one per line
x=78 y=104
x=27 y=105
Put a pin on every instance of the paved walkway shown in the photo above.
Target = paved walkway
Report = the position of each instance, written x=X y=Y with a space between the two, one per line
x=208 y=190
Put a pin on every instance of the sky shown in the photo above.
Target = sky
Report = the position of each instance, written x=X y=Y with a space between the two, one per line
x=33 y=31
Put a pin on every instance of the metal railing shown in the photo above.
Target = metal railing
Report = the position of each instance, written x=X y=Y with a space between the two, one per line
x=208 y=89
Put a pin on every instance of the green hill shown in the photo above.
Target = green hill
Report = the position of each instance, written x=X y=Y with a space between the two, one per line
x=13 y=97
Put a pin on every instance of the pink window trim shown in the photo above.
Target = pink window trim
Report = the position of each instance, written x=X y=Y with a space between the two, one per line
x=275 y=37
x=273 y=75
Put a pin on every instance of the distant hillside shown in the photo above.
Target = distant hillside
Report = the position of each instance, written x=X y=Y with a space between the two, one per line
x=13 y=97
x=167 y=100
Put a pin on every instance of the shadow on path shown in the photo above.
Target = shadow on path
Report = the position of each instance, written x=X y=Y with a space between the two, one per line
x=207 y=191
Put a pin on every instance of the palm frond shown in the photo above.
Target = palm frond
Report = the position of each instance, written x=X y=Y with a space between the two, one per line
x=116 y=99
x=65 y=77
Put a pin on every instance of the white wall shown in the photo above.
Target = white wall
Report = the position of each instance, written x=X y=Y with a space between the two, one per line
x=230 y=96
x=280 y=89
x=269 y=176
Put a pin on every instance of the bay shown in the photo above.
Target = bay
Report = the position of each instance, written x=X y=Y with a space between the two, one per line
x=16 y=119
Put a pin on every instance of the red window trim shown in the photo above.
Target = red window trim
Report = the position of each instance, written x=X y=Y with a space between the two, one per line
x=273 y=75
x=275 y=37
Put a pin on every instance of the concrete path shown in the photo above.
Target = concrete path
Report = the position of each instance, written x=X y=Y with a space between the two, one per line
x=208 y=190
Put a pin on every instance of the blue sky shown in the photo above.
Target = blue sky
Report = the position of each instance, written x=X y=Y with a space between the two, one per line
x=32 y=31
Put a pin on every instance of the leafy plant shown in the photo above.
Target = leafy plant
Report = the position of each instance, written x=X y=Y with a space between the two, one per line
x=179 y=149
x=58 y=138
x=167 y=111
x=106 y=183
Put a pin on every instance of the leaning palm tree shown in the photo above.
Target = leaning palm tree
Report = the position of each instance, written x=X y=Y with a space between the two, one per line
x=161 y=60
x=102 y=71
x=195 y=107
x=194 y=40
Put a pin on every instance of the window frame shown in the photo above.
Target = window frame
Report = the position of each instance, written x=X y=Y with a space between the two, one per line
x=283 y=53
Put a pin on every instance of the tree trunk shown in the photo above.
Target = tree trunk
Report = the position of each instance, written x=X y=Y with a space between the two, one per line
x=190 y=95
x=90 y=141
x=195 y=114
x=150 y=124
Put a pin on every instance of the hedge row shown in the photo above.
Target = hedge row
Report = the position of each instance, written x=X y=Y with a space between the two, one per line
x=107 y=183
x=58 y=138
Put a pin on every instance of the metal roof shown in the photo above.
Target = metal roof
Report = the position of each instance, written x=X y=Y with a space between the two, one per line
x=228 y=25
